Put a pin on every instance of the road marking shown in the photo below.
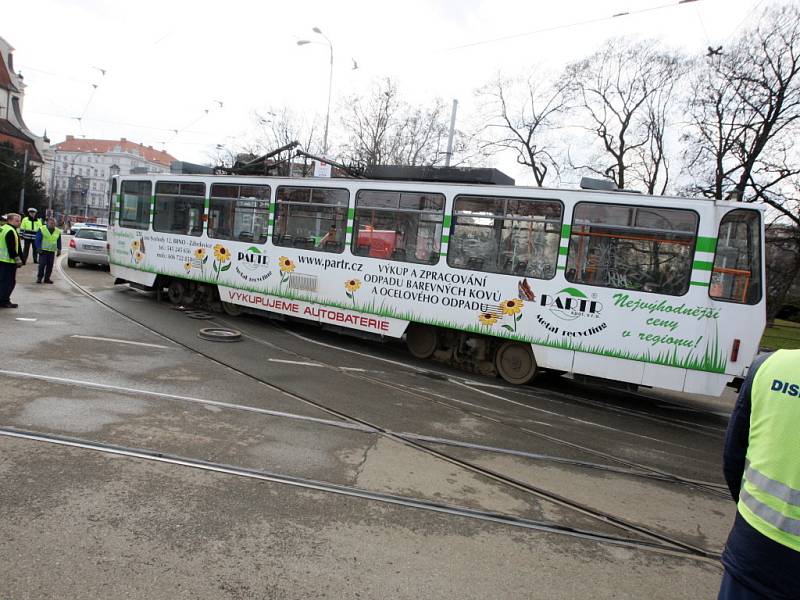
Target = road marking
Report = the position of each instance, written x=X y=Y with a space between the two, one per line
x=165 y=396
x=116 y=341
x=352 y=369
x=25 y=319
x=295 y=362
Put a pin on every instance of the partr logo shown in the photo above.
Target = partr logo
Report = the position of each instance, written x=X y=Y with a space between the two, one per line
x=570 y=303
x=251 y=265
x=252 y=258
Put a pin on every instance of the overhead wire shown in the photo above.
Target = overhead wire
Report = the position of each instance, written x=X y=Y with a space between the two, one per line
x=570 y=25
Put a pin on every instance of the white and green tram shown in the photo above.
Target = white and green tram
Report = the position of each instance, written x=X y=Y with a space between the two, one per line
x=657 y=291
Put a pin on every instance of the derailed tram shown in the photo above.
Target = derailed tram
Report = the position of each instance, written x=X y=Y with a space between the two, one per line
x=656 y=291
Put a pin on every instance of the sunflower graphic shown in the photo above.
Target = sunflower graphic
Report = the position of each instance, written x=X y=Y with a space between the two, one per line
x=512 y=308
x=137 y=251
x=199 y=258
x=487 y=318
x=221 y=253
x=287 y=266
x=222 y=258
x=187 y=266
x=351 y=286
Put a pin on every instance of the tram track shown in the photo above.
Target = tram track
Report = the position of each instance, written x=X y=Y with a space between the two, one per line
x=715 y=489
x=688 y=548
x=355 y=492
x=548 y=458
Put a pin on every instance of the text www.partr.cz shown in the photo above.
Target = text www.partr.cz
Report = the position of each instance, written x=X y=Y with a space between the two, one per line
x=330 y=263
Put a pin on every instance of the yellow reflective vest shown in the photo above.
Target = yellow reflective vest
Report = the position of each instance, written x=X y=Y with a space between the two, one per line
x=28 y=228
x=49 y=240
x=4 y=254
x=770 y=496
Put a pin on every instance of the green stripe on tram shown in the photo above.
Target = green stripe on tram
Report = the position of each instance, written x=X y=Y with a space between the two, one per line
x=706 y=244
x=349 y=230
x=445 y=239
x=447 y=220
x=351 y=213
x=563 y=250
x=699 y=283
x=702 y=265
x=565 y=230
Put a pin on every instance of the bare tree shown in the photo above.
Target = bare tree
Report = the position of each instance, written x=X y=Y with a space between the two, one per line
x=621 y=93
x=382 y=128
x=519 y=114
x=277 y=127
x=745 y=115
x=745 y=119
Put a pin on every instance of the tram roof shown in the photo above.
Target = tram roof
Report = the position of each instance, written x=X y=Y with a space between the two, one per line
x=622 y=196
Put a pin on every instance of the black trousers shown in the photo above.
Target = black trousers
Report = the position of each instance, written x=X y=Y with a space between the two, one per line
x=8 y=279
x=46 y=260
x=26 y=243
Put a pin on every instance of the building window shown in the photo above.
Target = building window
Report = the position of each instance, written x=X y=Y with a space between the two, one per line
x=404 y=226
x=643 y=248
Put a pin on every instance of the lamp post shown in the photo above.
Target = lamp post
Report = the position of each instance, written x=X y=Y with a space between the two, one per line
x=330 y=86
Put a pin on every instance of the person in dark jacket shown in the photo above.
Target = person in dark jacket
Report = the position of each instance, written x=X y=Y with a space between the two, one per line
x=762 y=470
x=10 y=259
x=48 y=244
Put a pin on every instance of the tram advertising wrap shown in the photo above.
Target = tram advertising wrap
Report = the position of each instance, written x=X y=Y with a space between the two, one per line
x=651 y=291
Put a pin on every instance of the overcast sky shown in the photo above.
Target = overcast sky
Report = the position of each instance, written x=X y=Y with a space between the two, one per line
x=167 y=62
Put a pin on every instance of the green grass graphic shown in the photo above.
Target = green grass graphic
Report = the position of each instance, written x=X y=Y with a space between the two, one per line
x=712 y=359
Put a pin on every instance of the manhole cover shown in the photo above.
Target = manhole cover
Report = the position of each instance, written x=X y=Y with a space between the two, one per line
x=219 y=334
x=198 y=314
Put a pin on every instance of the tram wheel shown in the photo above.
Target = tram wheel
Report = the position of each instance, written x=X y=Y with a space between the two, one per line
x=232 y=310
x=175 y=291
x=515 y=362
x=422 y=340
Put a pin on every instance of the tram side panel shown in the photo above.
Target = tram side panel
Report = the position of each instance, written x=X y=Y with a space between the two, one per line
x=672 y=341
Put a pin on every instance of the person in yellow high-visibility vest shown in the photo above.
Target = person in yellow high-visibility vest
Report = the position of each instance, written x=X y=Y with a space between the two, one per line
x=48 y=244
x=762 y=468
x=10 y=259
x=30 y=225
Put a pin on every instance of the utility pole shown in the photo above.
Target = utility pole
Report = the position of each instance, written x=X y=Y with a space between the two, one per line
x=22 y=191
x=452 y=133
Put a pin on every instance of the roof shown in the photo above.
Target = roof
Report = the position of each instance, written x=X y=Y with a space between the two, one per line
x=5 y=76
x=148 y=153
x=16 y=137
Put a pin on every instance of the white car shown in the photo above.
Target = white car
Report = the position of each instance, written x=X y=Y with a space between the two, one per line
x=88 y=246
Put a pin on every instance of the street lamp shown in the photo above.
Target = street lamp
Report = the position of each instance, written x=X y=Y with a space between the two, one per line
x=330 y=86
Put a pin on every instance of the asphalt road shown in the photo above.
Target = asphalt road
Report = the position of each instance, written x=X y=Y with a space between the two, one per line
x=557 y=490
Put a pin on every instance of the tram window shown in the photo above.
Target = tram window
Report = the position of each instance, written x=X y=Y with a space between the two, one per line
x=643 y=248
x=239 y=212
x=134 y=210
x=405 y=226
x=179 y=208
x=311 y=218
x=112 y=203
x=736 y=276
x=514 y=236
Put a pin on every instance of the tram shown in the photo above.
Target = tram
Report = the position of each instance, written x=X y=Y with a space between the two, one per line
x=665 y=292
